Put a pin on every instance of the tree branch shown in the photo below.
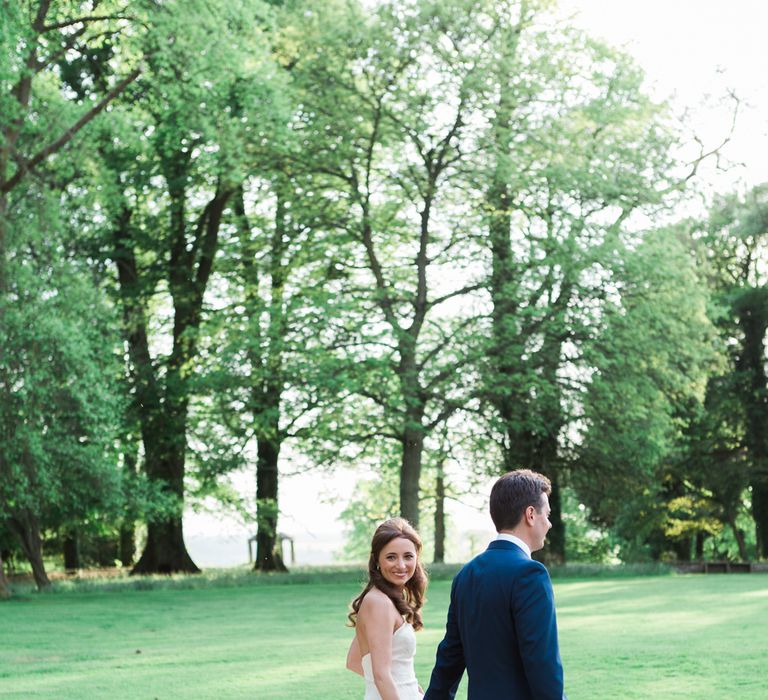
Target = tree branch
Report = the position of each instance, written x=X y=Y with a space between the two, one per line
x=70 y=133
x=83 y=20
x=442 y=344
x=455 y=293
x=42 y=11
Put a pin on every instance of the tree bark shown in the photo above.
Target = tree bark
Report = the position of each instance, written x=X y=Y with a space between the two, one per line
x=410 y=473
x=682 y=549
x=161 y=420
x=127 y=536
x=163 y=402
x=408 y=370
x=554 y=552
x=71 y=547
x=532 y=423
x=537 y=449
x=5 y=586
x=26 y=524
x=165 y=551
x=3 y=236
x=741 y=542
x=268 y=555
x=412 y=432
x=27 y=528
x=127 y=545
x=760 y=514
x=752 y=312
x=699 y=546
x=267 y=382
x=439 y=557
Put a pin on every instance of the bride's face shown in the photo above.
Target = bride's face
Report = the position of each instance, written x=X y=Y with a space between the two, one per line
x=397 y=561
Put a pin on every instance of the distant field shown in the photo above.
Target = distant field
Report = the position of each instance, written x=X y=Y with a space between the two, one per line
x=641 y=637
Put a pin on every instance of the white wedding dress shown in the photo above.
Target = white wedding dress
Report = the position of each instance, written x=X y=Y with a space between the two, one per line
x=403 y=651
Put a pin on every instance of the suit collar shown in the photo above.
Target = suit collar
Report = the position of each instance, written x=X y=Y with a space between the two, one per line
x=514 y=539
x=509 y=546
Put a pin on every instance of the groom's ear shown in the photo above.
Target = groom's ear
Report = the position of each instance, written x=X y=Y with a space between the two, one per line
x=529 y=514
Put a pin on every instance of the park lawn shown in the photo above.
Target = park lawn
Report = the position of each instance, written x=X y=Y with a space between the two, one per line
x=653 y=637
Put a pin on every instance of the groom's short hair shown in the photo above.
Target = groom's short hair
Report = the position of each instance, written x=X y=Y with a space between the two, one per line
x=513 y=493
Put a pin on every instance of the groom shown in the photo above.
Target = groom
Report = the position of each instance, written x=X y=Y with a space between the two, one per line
x=501 y=620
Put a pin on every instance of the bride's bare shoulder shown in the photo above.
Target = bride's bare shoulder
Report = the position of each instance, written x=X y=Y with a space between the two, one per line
x=377 y=604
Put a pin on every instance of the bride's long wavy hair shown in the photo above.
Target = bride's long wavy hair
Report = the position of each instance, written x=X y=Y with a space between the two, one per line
x=411 y=600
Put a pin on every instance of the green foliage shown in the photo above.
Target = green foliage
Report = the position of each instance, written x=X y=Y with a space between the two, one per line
x=729 y=441
x=649 y=373
x=585 y=543
x=374 y=500
x=59 y=371
x=427 y=235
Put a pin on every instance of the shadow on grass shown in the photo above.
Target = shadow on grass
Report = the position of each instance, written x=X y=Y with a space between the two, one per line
x=112 y=580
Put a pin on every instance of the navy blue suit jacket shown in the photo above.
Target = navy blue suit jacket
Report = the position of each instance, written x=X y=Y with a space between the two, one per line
x=501 y=627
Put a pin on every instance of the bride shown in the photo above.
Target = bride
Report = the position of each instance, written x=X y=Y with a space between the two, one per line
x=387 y=613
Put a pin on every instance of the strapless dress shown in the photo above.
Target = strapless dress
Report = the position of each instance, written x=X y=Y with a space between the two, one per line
x=403 y=651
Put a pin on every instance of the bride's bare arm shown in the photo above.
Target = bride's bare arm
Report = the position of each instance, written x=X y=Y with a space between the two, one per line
x=354 y=658
x=378 y=617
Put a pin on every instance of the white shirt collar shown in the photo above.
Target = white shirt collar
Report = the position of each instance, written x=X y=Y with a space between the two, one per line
x=515 y=540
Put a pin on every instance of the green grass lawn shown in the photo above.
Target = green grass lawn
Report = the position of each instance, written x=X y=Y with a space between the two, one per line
x=642 y=637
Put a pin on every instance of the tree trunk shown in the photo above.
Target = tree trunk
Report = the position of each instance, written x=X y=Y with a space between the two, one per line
x=268 y=386
x=439 y=557
x=682 y=549
x=165 y=551
x=738 y=534
x=5 y=590
x=505 y=275
x=28 y=529
x=3 y=237
x=163 y=414
x=5 y=587
x=528 y=449
x=532 y=423
x=760 y=514
x=412 y=434
x=268 y=556
x=71 y=547
x=127 y=537
x=699 y=546
x=127 y=543
x=554 y=552
x=410 y=473
x=752 y=312
x=165 y=450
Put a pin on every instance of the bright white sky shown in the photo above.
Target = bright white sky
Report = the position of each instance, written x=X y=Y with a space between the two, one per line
x=694 y=50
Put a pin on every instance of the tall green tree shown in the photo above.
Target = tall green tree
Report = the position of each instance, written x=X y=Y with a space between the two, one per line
x=267 y=364
x=572 y=148
x=39 y=38
x=267 y=358
x=715 y=462
x=62 y=412
x=733 y=251
x=180 y=155
x=385 y=115
x=650 y=363
x=43 y=390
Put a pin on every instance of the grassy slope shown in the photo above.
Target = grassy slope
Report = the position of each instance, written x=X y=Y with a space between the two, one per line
x=654 y=637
